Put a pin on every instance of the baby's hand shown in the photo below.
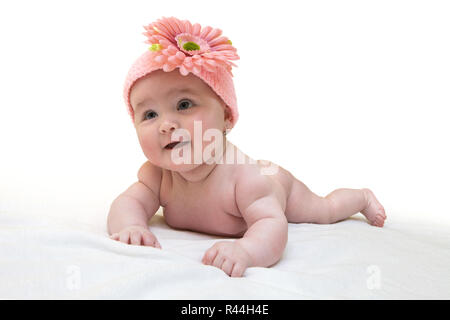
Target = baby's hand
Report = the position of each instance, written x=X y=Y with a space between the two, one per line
x=228 y=256
x=136 y=235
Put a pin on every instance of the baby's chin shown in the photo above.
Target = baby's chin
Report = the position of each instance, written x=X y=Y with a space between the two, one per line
x=174 y=161
x=181 y=167
x=172 y=166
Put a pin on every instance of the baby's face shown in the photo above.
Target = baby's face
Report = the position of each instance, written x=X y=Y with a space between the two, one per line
x=166 y=101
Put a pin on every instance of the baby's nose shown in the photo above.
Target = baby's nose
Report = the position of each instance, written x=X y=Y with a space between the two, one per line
x=168 y=127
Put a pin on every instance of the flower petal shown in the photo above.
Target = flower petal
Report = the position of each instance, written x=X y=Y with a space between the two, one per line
x=162 y=29
x=213 y=34
x=187 y=26
x=210 y=62
x=180 y=26
x=160 y=58
x=208 y=67
x=208 y=55
x=167 y=67
x=222 y=47
x=183 y=70
x=169 y=25
x=196 y=28
x=196 y=70
x=173 y=60
x=188 y=62
x=172 y=49
x=180 y=55
x=205 y=32
x=149 y=29
x=218 y=41
x=151 y=39
x=165 y=43
x=220 y=57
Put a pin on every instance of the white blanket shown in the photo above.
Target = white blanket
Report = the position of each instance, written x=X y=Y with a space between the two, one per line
x=48 y=258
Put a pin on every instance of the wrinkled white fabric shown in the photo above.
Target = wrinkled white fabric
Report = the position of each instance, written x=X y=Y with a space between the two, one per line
x=47 y=258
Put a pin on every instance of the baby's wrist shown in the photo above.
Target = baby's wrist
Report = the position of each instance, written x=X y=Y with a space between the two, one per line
x=247 y=246
x=258 y=252
x=137 y=226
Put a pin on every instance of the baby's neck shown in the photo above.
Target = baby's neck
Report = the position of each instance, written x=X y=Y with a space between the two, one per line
x=196 y=176
x=201 y=173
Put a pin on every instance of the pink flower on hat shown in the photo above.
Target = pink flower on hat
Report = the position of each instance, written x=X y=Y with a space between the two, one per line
x=175 y=43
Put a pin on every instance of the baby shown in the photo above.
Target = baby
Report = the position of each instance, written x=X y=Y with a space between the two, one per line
x=182 y=102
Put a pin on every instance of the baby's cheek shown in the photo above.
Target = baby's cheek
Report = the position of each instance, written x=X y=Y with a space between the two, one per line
x=207 y=121
x=150 y=147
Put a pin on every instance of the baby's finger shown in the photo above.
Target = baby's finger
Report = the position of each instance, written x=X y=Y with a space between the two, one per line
x=114 y=236
x=124 y=237
x=227 y=266
x=209 y=256
x=238 y=270
x=135 y=238
x=148 y=239
x=218 y=261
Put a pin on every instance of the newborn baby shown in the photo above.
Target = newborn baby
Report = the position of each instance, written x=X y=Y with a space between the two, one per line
x=181 y=99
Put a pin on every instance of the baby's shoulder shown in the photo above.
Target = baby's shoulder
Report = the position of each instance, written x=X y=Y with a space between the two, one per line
x=151 y=176
x=251 y=175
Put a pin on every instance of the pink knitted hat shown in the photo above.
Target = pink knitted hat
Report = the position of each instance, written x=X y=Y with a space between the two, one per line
x=191 y=48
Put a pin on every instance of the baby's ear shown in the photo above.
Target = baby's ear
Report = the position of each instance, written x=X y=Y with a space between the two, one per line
x=227 y=114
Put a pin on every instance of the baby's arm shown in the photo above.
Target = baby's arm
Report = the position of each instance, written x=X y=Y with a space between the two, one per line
x=266 y=237
x=267 y=232
x=131 y=210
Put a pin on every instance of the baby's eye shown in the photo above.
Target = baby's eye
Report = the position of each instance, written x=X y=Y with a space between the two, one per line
x=184 y=104
x=149 y=114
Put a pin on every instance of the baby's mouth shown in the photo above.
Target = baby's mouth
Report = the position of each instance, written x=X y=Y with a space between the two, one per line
x=175 y=144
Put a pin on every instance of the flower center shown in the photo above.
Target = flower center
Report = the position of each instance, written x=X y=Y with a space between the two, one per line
x=191 y=44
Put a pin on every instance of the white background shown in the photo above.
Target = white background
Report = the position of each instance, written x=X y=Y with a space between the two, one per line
x=340 y=93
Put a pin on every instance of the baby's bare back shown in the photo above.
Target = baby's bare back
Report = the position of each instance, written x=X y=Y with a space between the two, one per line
x=210 y=206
